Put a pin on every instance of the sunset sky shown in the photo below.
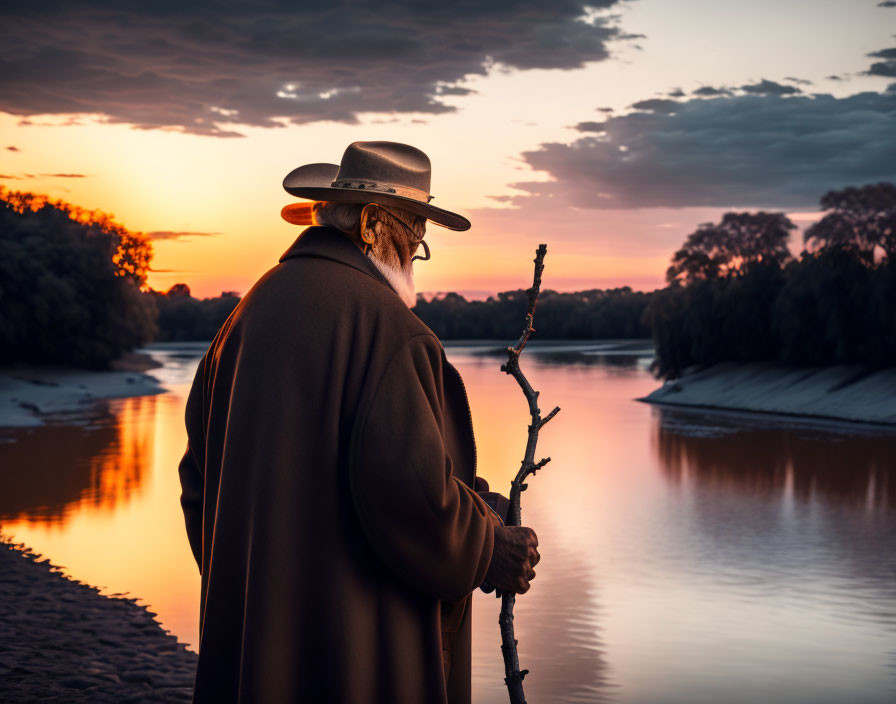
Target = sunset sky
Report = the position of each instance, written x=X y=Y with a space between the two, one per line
x=608 y=131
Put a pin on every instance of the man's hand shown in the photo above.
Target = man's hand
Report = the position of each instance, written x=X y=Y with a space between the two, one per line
x=513 y=559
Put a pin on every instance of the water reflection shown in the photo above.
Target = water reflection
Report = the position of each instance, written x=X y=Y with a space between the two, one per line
x=851 y=466
x=686 y=557
x=99 y=464
x=100 y=497
x=559 y=633
x=623 y=354
x=563 y=645
x=797 y=518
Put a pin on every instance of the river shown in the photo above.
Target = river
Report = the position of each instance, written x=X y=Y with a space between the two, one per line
x=686 y=556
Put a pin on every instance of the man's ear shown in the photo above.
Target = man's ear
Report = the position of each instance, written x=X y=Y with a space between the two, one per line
x=369 y=222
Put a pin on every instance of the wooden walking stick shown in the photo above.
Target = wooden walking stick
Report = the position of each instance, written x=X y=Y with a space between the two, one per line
x=513 y=675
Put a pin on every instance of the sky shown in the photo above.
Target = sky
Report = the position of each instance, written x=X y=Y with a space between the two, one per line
x=608 y=130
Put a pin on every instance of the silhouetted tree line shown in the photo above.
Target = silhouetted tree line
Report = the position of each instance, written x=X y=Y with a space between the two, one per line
x=73 y=290
x=70 y=283
x=737 y=294
x=585 y=315
x=182 y=317
x=615 y=313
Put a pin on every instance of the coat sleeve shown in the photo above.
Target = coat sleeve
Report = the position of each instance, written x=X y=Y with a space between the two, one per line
x=192 y=480
x=431 y=529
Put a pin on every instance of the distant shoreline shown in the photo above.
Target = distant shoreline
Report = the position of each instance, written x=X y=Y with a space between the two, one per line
x=845 y=393
x=30 y=395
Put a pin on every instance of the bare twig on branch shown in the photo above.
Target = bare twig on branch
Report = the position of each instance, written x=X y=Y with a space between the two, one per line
x=513 y=675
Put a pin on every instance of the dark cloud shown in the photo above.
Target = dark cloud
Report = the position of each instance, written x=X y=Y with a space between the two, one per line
x=203 y=67
x=763 y=87
x=676 y=93
x=711 y=92
x=660 y=105
x=746 y=150
x=9 y=177
x=834 y=77
x=883 y=68
x=887 y=67
x=766 y=87
x=12 y=148
x=177 y=235
x=591 y=126
x=887 y=3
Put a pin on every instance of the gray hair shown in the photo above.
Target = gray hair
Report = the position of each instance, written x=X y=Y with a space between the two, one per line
x=342 y=216
x=347 y=216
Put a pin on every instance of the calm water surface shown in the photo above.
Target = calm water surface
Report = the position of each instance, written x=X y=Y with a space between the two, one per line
x=686 y=557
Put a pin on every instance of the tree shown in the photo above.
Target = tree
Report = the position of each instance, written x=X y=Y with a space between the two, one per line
x=834 y=305
x=835 y=309
x=584 y=315
x=731 y=247
x=131 y=251
x=861 y=219
x=67 y=295
x=183 y=318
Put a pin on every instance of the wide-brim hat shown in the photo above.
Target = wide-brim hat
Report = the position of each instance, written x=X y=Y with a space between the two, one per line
x=387 y=173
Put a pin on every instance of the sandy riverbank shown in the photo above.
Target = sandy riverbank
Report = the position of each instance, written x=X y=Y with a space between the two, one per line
x=840 y=392
x=29 y=396
x=61 y=641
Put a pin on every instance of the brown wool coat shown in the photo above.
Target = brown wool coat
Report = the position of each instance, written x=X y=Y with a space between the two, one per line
x=326 y=491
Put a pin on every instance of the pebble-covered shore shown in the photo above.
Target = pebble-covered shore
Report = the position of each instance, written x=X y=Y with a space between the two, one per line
x=61 y=641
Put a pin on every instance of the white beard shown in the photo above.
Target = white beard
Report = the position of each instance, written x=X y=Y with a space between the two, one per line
x=401 y=278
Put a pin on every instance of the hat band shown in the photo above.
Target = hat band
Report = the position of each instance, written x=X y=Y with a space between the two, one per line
x=364 y=185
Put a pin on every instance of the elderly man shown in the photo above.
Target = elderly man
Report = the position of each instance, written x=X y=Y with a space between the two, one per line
x=328 y=480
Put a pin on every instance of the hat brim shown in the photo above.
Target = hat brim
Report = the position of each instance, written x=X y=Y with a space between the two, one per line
x=312 y=182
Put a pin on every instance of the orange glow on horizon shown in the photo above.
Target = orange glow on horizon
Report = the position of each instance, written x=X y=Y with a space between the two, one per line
x=218 y=228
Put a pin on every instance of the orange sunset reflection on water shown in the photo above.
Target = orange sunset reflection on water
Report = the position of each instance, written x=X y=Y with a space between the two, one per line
x=101 y=499
x=685 y=556
x=98 y=468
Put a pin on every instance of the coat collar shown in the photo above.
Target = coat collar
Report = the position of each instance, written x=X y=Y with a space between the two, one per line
x=329 y=243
